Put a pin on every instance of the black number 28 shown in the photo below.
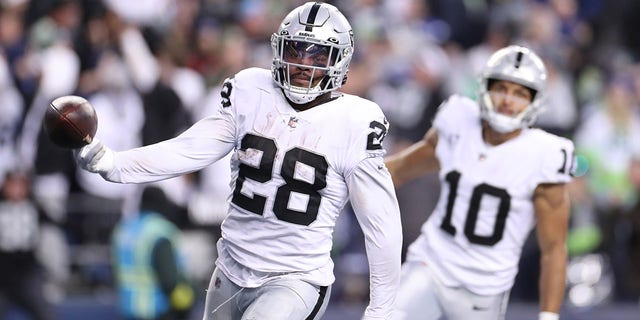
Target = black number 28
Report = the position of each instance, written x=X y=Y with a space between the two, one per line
x=264 y=172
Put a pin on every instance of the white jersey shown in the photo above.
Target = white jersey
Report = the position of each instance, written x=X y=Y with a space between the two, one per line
x=485 y=212
x=293 y=172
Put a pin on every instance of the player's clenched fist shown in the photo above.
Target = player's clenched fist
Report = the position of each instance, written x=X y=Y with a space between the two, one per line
x=95 y=157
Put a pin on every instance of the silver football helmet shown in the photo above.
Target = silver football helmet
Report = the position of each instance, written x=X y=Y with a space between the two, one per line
x=318 y=30
x=520 y=65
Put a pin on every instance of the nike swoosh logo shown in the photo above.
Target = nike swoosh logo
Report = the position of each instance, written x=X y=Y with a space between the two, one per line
x=476 y=308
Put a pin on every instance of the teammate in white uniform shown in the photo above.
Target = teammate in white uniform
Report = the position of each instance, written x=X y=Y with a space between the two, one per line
x=301 y=151
x=499 y=179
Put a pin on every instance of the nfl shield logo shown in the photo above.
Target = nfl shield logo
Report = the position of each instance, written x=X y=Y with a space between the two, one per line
x=293 y=122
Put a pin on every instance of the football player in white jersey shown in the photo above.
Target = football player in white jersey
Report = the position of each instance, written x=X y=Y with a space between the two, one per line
x=300 y=151
x=499 y=178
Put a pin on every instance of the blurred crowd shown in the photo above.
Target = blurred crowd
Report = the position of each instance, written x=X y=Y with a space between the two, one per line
x=153 y=67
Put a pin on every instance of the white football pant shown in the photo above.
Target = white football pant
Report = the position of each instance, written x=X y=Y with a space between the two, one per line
x=282 y=298
x=424 y=297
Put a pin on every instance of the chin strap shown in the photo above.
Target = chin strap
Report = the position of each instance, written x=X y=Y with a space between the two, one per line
x=300 y=98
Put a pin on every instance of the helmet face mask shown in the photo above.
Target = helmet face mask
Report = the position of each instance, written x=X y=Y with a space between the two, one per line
x=312 y=50
x=320 y=55
x=519 y=65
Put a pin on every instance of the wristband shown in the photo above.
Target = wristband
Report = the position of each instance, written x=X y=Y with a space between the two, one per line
x=546 y=315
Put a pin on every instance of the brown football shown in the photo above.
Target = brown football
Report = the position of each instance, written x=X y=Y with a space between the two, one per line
x=70 y=122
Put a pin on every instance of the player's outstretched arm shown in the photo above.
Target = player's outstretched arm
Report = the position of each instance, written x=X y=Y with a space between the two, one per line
x=374 y=202
x=415 y=161
x=552 y=214
x=205 y=142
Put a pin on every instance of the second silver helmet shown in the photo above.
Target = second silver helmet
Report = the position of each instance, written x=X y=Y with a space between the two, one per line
x=520 y=65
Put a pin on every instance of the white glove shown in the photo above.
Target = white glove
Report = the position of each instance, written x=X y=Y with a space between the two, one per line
x=95 y=157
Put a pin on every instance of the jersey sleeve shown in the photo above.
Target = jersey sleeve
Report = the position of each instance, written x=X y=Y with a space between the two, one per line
x=367 y=137
x=375 y=205
x=558 y=161
x=454 y=112
x=376 y=131
x=227 y=108
x=441 y=119
x=205 y=142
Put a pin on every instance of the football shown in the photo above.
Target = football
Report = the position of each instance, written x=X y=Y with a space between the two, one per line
x=70 y=122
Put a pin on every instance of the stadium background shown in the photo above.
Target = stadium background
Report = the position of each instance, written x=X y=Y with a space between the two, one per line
x=409 y=55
